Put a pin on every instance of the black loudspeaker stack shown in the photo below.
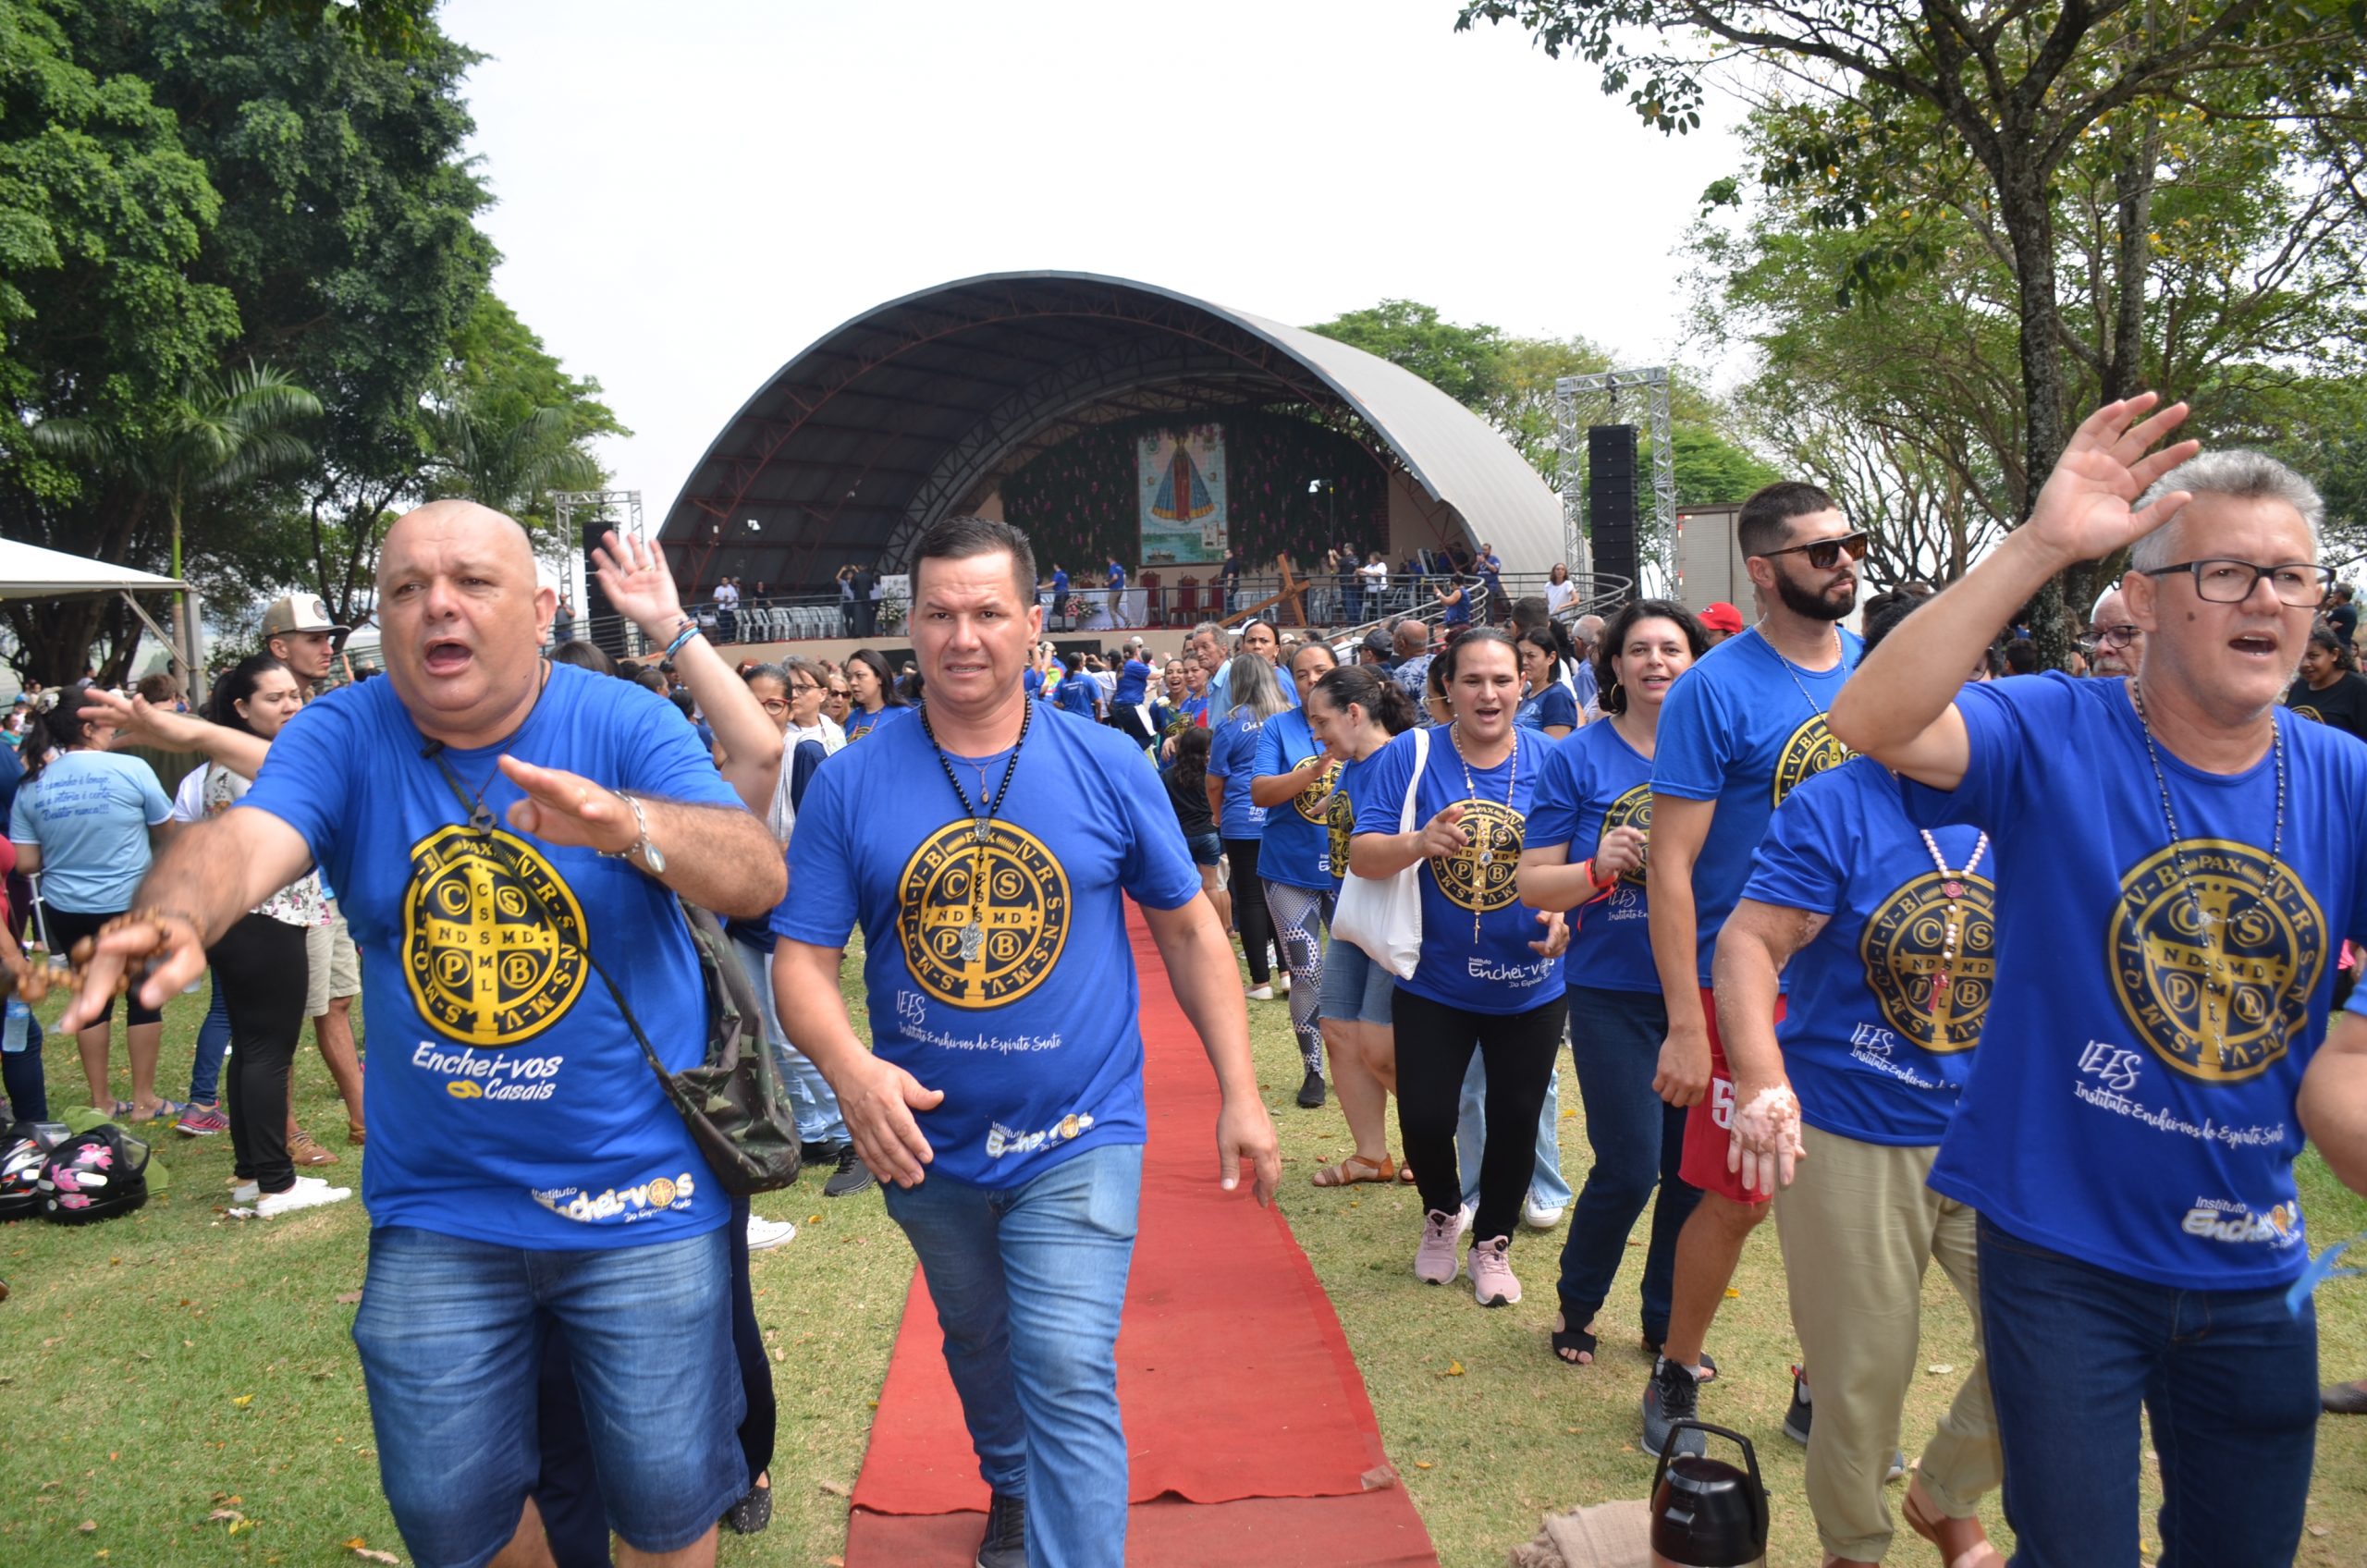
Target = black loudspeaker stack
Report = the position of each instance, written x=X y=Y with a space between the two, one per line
x=1610 y=499
x=597 y=620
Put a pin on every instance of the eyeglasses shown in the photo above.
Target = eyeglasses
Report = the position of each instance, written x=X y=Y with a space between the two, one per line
x=1825 y=554
x=773 y=704
x=2109 y=637
x=2218 y=581
x=804 y=686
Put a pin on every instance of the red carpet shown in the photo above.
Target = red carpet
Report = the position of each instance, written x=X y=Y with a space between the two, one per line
x=1248 y=1432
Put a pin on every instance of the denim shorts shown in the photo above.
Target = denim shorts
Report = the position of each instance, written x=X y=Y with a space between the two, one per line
x=451 y=1332
x=1355 y=989
x=1207 y=849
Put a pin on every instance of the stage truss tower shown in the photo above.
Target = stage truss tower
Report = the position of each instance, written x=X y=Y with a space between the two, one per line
x=565 y=504
x=1583 y=401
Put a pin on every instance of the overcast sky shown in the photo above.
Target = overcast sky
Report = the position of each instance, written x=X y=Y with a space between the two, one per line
x=689 y=194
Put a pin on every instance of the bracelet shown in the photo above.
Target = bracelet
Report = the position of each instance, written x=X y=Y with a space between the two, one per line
x=680 y=639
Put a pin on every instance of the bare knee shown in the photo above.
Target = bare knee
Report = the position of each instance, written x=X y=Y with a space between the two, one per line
x=1727 y=1218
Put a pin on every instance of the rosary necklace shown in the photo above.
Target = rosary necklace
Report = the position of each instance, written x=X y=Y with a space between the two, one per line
x=982 y=817
x=1482 y=839
x=2217 y=950
x=1953 y=888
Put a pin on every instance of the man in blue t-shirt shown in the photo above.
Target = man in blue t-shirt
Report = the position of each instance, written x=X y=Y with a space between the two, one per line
x=2193 y=858
x=1002 y=1094
x=508 y=839
x=1738 y=730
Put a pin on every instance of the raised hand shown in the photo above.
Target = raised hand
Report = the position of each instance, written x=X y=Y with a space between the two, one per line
x=1620 y=851
x=1443 y=835
x=638 y=583
x=2085 y=510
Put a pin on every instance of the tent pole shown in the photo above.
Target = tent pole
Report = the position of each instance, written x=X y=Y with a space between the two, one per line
x=179 y=654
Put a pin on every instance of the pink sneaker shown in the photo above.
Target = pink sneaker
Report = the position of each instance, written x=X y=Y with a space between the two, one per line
x=202 y=1122
x=1434 y=1259
x=1491 y=1273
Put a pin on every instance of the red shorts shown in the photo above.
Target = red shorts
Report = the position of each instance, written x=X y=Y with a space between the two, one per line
x=1707 y=1125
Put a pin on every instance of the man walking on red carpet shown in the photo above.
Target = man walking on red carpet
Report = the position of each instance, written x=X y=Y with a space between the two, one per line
x=1002 y=1100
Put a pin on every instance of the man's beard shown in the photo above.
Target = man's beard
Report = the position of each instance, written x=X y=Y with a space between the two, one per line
x=1808 y=604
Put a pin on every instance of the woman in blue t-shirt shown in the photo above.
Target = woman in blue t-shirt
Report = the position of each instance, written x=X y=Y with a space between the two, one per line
x=1594 y=802
x=1292 y=782
x=1888 y=939
x=1489 y=976
x=1549 y=706
x=1254 y=696
x=872 y=687
x=1353 y=713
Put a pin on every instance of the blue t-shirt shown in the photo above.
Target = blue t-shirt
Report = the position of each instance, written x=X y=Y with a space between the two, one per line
x=859 y=723
x=1592 y=780
x=89 y=814
x=1076 y=695
x=1497 y=972
x=1583 y=690
x=1031 y=680
x=1743 y=727
x=1879 y=1032
x=1297 y=849
x=1059 y=588
x=2108 y=1122
x=507 y=1101
x=1552 y=706
x=1133 y=683
x=1033 y=1033
x=1458 y=608
x=1232 y=756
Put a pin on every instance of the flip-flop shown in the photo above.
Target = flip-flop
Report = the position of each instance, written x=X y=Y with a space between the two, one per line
x=172 y=1109
x=1355 y=1170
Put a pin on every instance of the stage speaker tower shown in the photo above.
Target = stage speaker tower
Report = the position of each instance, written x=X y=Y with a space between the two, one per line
x=1610 y=499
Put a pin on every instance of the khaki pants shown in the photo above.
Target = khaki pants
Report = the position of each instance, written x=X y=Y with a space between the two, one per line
x=1859 y=1228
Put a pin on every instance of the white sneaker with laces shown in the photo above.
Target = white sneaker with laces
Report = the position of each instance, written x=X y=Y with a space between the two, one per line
x=1261 y=993
x=1540 y=1216
x=1463 y=1219
x=271 y=1204
x=764 y=1235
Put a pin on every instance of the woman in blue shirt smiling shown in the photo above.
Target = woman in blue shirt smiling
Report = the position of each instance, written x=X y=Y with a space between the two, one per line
x=1293 y=783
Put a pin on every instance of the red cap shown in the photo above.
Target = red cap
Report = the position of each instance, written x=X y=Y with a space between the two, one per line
x=1723 y=616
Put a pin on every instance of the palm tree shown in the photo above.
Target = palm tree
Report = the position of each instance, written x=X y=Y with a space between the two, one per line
x=507 y=463
x=215 y=432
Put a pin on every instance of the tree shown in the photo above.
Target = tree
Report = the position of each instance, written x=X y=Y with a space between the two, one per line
x=2016 y=90
x=1465 y=362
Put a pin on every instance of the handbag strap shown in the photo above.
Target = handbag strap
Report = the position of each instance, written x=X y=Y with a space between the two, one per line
x=1413 y=785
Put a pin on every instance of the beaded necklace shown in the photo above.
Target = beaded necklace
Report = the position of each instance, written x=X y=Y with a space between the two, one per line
x=1481 y=840
x=1953 y=888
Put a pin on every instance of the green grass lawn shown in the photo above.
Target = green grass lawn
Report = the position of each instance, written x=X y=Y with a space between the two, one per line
x=181 y=1387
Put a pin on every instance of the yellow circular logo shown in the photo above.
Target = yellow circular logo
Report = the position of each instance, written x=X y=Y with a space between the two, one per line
x=1021 y=898
x=1340 y=820
x=1314 y=802
x=482 y=964
x=2302 y=710
x=1633 y=809
x=1928 y=998
x=2219 y=998
x=1811 y=749
x=1479 y=877
x=661 y=1192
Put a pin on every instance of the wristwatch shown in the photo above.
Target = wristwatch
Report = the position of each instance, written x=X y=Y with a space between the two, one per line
x=651 y=855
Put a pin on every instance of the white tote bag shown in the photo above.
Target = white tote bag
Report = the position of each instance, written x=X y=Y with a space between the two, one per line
x=1384 y=916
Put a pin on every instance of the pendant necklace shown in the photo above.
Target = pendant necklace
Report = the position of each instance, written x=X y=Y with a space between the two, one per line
x=480 y=813
x=1481 y=840
x=1840 y=648
x=2214 y=949
x=982 y=815
x=1953 y=888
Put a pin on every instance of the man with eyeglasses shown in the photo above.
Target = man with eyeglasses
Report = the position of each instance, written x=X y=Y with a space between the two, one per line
x=1743 y=726
x=2157 y=1046
x=2114 y=644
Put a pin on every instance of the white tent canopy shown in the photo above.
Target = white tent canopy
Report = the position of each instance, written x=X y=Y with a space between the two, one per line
x=28 y=571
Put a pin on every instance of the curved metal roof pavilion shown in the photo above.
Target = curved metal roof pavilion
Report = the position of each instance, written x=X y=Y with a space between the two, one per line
x=916 y=409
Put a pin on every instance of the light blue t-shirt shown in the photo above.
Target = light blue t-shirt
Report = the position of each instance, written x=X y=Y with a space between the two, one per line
x=1497 y=972
x=1232 y=756
x=507 y=1098
x=1743 y=727
x=89 y=814
x=2134 y=1103
x=1882 y=1019
x=1296 y=850
x=1031 y=1029
x=1592 y=780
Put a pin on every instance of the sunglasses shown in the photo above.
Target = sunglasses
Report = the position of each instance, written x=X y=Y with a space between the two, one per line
x=1825 y=554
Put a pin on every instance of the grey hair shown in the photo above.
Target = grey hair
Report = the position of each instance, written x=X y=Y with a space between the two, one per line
x=1253 y=687
x=2245 y=475
x=1224 y=638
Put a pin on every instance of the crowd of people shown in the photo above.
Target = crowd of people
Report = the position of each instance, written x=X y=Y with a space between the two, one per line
x=1768 y=882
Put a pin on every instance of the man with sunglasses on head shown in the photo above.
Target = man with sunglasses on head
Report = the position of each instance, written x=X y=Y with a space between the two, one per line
x=2114 y=644
x=1739 y=731
x=2157 y=1045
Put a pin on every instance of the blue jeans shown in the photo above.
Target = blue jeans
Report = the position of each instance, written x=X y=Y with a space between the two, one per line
x=810 y=1096
x=1638 y=1139
x=21 y=1077
x=451 y=1336
x=1028 y=1281
x=2229 y=1378
x=1546 y=1187
x=213 y=1040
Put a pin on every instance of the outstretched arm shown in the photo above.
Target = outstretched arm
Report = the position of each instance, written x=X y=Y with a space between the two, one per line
x=142 y=724
x=1200 y=965
x=717 y=857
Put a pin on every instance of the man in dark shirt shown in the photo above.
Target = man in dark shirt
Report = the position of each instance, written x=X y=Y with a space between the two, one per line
x=2343 y=613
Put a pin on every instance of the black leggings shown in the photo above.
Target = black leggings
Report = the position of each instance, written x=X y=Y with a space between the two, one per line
x=66 y=927
x=1434 y=1046
x=259 y=965
x=1249 y=913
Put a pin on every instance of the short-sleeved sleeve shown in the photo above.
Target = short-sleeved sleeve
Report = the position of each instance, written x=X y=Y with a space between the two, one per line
x=673 y=764
x=1554 y=810
x=1268 y=759
x=1689 y=751
x=1799 y=865
x=22 y=829
x=1381 y=788
x=156 y=805
x=305 y=778
x=821 y=868
x=2007 y=724
x=1555 y=706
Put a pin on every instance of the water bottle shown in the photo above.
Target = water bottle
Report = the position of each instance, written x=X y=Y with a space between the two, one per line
x=1706 y=1513
x=19 y=1025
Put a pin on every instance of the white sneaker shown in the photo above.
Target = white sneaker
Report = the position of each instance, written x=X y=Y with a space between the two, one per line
x=271 y=1204
x=1283 y=981
x=764 y=1235
x=1261 y=993
x=247 y=1191
x=1540 y=1216
x=1463 y=1219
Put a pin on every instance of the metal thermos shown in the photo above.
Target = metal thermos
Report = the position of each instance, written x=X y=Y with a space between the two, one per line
x=1706 y=1513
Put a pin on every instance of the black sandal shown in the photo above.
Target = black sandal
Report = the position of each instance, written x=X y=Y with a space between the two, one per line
x=2338 y=1398
x=751 y=1514
x=1576 y=1341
